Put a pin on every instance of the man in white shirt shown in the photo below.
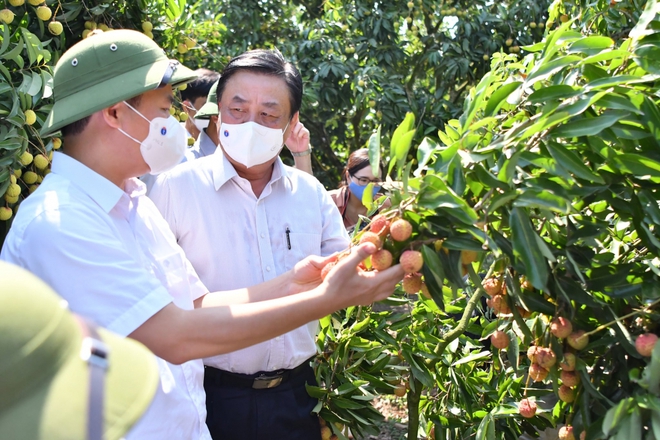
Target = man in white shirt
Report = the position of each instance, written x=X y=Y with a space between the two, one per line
x=91 y=234
x=284 y=214
x=207 y=142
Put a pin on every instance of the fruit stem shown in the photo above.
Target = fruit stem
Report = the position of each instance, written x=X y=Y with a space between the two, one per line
x=621 y=318
x=467 y=313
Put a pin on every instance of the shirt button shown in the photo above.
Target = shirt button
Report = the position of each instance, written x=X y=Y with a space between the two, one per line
x=263 y=235
x=268 y=268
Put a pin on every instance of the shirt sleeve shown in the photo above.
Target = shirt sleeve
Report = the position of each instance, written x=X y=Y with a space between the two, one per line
x=334 y=236
x=75 y=251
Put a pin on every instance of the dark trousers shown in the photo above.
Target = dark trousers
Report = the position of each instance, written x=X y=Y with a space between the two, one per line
x=236 y=411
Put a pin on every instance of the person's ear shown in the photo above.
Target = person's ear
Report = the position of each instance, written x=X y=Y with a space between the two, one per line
x=114 y=114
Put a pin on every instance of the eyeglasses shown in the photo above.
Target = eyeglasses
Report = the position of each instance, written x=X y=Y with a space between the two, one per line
x=169 y=72
x=364 y=181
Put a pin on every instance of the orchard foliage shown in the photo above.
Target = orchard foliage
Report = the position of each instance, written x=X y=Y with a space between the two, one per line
x=551 y=177
x=368 y=63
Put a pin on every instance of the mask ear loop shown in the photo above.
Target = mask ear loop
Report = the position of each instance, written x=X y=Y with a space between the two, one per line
x=141 y=115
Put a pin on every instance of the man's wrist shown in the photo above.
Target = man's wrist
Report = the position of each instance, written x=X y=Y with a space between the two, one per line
x=307 y=152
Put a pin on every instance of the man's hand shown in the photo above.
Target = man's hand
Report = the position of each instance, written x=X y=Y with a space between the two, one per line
x=352 y=285
x=298 y=140
x=306 y=274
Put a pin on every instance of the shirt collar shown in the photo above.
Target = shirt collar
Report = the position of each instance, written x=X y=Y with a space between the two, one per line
x=223 y=170
x=105 y=193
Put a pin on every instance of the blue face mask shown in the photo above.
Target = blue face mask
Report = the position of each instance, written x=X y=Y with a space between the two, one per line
x=358 y=190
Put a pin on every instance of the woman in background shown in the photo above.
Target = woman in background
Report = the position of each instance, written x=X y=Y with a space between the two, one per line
x=356 y=176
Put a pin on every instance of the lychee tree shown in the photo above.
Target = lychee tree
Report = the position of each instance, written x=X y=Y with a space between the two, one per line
x=537 y=217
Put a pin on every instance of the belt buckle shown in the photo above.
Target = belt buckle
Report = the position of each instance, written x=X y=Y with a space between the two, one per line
x=265 y=382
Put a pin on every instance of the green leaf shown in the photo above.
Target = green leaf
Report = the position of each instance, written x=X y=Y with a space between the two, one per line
x=591 y=45
x=475 y=102
x=544 y=70
x=14 y=54
x=424 y=152
x=526 y=247
x=368 y=196
x=638 y=165
x=496 y=99
x=561 y=91
x=589 y=126
x=435 y=194
x=572 y=163
x=406 y=125
x=433 y=267
x=544 y=199
x=486 y=430
x=373 y=145
x=473 y=358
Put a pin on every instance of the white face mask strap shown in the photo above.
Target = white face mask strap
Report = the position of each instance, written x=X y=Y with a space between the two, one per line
x=141 y=115
x=128 y=136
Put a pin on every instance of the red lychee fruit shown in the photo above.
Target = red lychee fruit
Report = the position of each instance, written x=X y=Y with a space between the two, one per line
x=371 y=237
x=566 y=433
x=546 y=358
x=566 y=394
x=578 y=340
x=569 y=378
x=380 y=225
x=411 y=261
x=492 y=286
x=561 y=327
x=568 y=364
x=532 y=351
x=400 y=230
x=499 y=340
x=412 y=283
x=537 y=373
x=381 y=260
x=500 y=305
x=527 y=408
x=645 y=343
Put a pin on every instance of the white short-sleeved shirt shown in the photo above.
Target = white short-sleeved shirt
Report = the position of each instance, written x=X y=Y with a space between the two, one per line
x=202 y=147
x=110 y=254
x=234 y=239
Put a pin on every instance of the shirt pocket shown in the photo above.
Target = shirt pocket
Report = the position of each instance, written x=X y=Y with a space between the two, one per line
x=302 y=245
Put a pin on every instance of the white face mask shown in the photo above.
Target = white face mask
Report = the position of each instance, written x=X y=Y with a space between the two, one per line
x=201 y=124
x=164 y=146
x=251 y=144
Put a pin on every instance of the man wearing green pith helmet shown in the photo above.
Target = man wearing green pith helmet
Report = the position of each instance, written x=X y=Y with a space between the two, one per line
x=92 y=235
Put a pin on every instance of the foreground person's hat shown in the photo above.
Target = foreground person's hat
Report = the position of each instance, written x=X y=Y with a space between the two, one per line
x=44 y=376
x=210 y=108
x=105 y=69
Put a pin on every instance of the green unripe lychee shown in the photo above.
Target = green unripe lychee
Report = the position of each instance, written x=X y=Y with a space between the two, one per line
x=13 y=190
x=55 y=27
x=6 y=16
x=30 y=117
x=30 y=177
x=26 y=158
x=40 y=161
x=5 y=213
x=44 y=13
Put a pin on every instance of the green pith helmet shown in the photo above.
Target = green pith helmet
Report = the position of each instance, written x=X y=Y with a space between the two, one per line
x=210 y=108
x=105 y=69
x=44 y=377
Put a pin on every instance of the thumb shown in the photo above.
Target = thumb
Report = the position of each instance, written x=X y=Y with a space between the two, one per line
x=359 y=254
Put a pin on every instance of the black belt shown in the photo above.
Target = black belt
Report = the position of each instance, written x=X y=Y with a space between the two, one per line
x=258 y=381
